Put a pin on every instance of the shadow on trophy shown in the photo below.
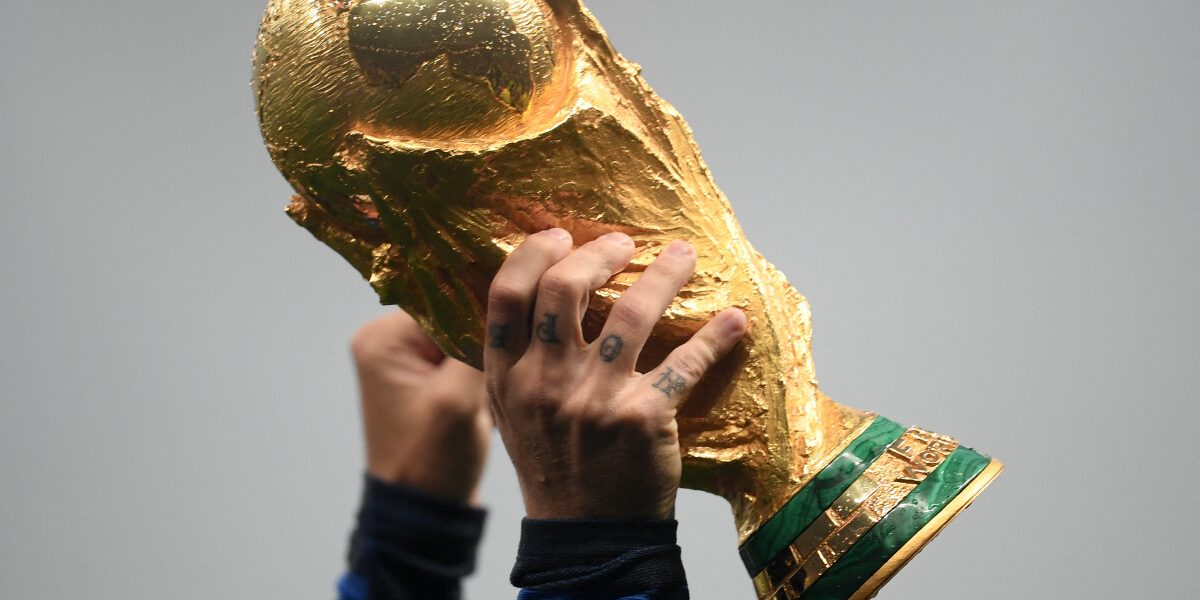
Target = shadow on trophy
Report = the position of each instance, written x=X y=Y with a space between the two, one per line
x=426 y=140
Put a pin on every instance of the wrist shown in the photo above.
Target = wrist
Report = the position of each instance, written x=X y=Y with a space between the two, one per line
x=594 y=504
x=451 y=485
x=442 y=457
x=405 y=530
x=613 y=556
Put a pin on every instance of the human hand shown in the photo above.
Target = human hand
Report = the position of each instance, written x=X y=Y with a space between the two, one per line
x=425 y=416
x=588 y=435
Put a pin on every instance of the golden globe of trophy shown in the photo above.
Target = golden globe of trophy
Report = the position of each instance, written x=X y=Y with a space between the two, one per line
x=426 y=139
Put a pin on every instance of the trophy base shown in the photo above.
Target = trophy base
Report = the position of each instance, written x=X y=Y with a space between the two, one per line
x=865 y=514
x=926 y=534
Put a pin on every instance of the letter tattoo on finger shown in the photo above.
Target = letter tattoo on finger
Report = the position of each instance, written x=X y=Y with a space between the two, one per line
x=498 y=335
x=547 y=330
x=611 y=347
x=670 y=383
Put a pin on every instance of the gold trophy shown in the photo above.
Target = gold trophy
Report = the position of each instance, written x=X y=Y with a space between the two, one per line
x=425 y=140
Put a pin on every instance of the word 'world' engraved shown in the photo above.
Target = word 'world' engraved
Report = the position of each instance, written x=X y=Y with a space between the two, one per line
x=670 y=383
x=917 y=465
x=547 y=330
x=861 y=506
x=611 y=347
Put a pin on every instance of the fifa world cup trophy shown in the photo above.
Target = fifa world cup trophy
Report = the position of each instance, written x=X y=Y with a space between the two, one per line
x=426 y=139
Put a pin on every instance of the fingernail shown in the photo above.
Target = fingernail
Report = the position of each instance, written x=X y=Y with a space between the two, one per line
x=618 y=238
x=559 y=233
x=735 y=322
x=680 y=248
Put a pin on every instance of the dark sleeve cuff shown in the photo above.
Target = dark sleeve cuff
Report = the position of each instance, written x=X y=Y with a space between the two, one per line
x=407 y=542
x=600 y=558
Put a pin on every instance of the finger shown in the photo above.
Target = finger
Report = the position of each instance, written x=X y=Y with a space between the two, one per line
x=564 y=291
x=678 y=374
x=410 y=333
x=458 y=387
x=394 y=341
x=641 y=306
x=512 y=293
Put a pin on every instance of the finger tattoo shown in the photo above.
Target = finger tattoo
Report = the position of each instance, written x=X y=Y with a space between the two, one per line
x=498 y=335
x=670 y=383
x=611 y=347
x=547 y=330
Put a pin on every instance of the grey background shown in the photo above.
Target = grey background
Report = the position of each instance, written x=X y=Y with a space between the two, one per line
x=993 y=209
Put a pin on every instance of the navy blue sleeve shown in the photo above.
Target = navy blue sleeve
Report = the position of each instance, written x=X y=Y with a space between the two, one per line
x=409 y=545
x=599 y=559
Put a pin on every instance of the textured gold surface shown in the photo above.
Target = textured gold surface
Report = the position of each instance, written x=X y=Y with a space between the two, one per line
x=426 y=140
x=872 y=496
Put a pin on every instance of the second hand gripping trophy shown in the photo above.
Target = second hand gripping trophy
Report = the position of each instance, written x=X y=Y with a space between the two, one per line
x=425 y=140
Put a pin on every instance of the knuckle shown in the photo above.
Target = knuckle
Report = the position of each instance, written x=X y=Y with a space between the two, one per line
x=690 y=366
x=540 y=394
x=535 y=396
x=368 y=345
x=632 y=314
x=545 y=242
x=504 y=295
x=542 y=247
x=542 y=408
x=643 y=420
x=606 y=257
x=673 y=270
x=637 y=416
x=561 y=285
x=577 y=412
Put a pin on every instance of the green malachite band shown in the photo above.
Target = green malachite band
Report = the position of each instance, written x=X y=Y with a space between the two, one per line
x=897 y=527
x=813 y=499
